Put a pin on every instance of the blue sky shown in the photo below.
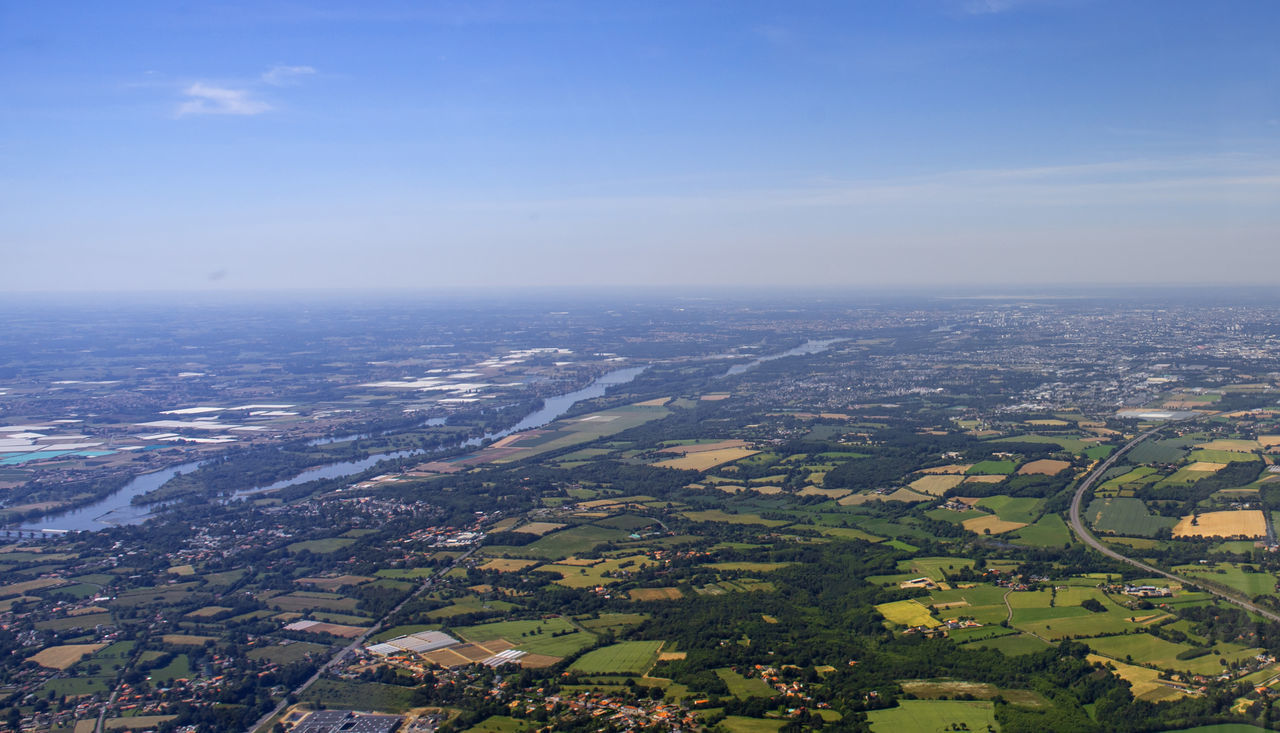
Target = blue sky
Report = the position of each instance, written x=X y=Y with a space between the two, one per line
x=258 y=145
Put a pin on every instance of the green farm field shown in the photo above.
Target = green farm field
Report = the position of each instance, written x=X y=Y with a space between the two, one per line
x=1125 y=516
x=627 y=657
x=927 y=716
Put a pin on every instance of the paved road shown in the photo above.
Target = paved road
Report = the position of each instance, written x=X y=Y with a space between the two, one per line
x=1089 y=539
x=356 y=643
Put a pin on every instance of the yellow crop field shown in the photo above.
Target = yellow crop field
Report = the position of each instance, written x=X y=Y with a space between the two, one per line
x=1143 y=680
x=908 y=613
x=538 y=528
x=936 y=485
x=1239 y=523
x=991 y=522
x=985 y=478
x=1206 y=467
x=1239 y=446
x=685 y=450
x=63 y=657
x=655 y=594
x=953 y=468
x=1045 y=467
x=660 y=402
x=904 y=494
x=706 y=460
x=504 y=565
x=187 y=639
x=1268 y=441
x=829 y=493
x=17 y=589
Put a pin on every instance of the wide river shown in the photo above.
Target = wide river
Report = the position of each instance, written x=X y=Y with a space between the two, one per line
x=119 y=509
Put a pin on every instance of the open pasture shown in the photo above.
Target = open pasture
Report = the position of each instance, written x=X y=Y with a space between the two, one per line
x=932 y=690
x=991 y=467
x=934 y=567
x=908 y=613
x=744 y=687
x=507 y=565
x=1072 y=444
x=538 y=528
x=627 y=657
x=1238 y=523
x=717 y=515
x=1019 y=509
x=655 y=594
x=930 y=716
x=1222 y=456
x=1125 y=516
x=562 y=544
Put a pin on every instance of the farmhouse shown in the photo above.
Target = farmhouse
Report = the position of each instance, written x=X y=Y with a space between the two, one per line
x=1147 y=591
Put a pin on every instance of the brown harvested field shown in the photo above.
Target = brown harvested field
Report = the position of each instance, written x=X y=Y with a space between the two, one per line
x=1267 y=441
x=829 y=493
x=539 y=661
x=904 y=494
x=332 y=584
x=1044 y=467
x=685 y=450
x=706 y=460
x=968 y=500
x=659 y=402
x=655 y=594
x=463 y=654
x=1237 y=446
x=504 y=565
x=1206 y=466
x=993 y=523
x=1239 y=523
x=953 y=468
x=137 y=722
x=726 y=488
x=17 y=589
x=297 y=602
x=672 y=656
x=538 y=528
x=597 y=503
x=186 y=639
x=715 y=397
x=208 y=611
x=936 y=485
x=347 y=632
x=985 y=478
x=65 y=656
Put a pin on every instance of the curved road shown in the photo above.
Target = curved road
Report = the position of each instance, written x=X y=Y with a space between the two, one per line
x=1089 y=539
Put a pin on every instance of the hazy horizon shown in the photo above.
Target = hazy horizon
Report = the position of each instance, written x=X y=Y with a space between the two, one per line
x=450 y=147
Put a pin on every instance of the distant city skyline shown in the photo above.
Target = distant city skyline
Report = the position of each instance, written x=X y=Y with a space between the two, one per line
x=966 y=143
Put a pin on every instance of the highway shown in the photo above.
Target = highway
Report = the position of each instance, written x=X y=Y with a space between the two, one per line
x=1078 y=527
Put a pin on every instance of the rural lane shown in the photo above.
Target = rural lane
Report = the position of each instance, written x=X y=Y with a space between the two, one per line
x=1078 y=526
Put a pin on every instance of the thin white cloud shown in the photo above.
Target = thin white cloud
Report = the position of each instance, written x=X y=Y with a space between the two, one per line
x=279 y=76
x=205 y=99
